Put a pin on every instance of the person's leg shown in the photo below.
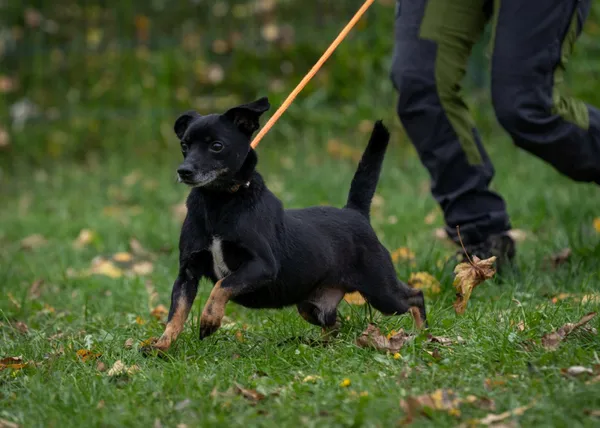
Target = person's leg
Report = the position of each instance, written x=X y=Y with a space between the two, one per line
x=532 y=44
x=433 y=42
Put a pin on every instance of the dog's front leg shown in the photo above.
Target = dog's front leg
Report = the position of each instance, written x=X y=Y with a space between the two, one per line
x=182 y=298
x=257 y=272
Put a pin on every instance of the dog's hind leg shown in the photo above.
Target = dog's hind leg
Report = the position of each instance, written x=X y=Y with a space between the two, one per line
x=320 y=308
x=391 y=296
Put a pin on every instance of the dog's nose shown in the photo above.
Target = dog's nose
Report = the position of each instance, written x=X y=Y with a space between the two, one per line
x=185 y=172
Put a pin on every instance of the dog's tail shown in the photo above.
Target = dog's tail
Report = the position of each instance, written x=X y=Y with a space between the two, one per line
x=366 y=176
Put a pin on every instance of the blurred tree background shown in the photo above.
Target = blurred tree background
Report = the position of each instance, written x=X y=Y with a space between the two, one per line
x=95 y=76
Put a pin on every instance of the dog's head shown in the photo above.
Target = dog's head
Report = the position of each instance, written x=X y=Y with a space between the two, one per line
x=216 y=148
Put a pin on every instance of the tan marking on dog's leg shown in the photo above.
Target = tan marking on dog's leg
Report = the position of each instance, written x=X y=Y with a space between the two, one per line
x=214 y=310
x=416 y=314
x=174 y=326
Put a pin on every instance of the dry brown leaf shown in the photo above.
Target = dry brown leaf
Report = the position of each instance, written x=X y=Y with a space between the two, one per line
x=592 y=413
x=148 y=342
x=142 y=268
x=425 y=281
x=21 y=327
x=440 y=399
x=495 y=418
x=32 y=242
x=100 y=366
x=34 y=289
x=484 y=403
x=86 y=355
x=445 y=341
x=372 y=337
x=355 y=298
x=577 y=371
x=493 y=383
x=159 y=312
x=552 y=341
x=595 y=379
x=518 y=235
x=85 y=237
x=7 y=424
x=119 y=369
x=469 y=276
x=137 y=248
x=250 y=394
x=15 y=363
x=128 y=343
x=593 y=298
x=521 y=326
x=559 y=258
x=431 y=217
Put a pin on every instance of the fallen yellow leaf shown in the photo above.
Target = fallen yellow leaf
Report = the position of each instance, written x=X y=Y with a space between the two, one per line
x=355 y=298
x=119 y=369
x=104 y=267
x=86 y=355
x=493 y=418
x=32 y=242
x=597 y=224
x=468 y=276
x=85 y=237
x=424 y=281
x=372 y=338
x=402 y=253
x=142 y=268
x=159 y=312
x=122 y=257
x=15 y=363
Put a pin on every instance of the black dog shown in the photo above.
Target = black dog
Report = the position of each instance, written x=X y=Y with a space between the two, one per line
x=259 y=255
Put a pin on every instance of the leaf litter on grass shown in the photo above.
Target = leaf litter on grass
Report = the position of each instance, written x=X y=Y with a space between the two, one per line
x=15 y=363
x=445 y=400
x=469 y=275
x=551 y=341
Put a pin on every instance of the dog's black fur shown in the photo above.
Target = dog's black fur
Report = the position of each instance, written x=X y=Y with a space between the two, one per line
x=278 y=257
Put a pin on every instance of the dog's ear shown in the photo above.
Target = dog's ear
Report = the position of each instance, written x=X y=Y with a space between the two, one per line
x=246 y=116
x=183 y=121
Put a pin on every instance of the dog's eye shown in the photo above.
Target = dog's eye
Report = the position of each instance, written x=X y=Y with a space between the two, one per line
x=184 y=147
x=217 y=146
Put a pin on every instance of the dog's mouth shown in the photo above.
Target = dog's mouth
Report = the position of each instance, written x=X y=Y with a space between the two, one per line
x=200 y=179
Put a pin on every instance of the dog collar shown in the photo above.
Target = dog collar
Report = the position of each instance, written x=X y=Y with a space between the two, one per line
x=236 y=187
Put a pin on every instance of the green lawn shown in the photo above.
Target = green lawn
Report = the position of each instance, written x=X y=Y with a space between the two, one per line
x=121 y=196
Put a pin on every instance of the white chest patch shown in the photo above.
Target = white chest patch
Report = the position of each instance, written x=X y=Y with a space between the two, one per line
x=220 y=268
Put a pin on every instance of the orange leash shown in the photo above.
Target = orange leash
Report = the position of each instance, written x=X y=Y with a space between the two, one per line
x=311 y=73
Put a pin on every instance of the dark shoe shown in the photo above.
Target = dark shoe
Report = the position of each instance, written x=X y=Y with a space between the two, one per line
x=502 y=246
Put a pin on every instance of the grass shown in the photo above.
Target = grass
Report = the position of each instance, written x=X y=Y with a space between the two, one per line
x=260 y=349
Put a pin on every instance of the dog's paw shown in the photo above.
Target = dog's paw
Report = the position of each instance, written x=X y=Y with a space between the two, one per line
x=155 y=346
x=208 y=325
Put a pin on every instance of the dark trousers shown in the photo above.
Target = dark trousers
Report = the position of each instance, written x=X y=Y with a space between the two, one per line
x=531 y=44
